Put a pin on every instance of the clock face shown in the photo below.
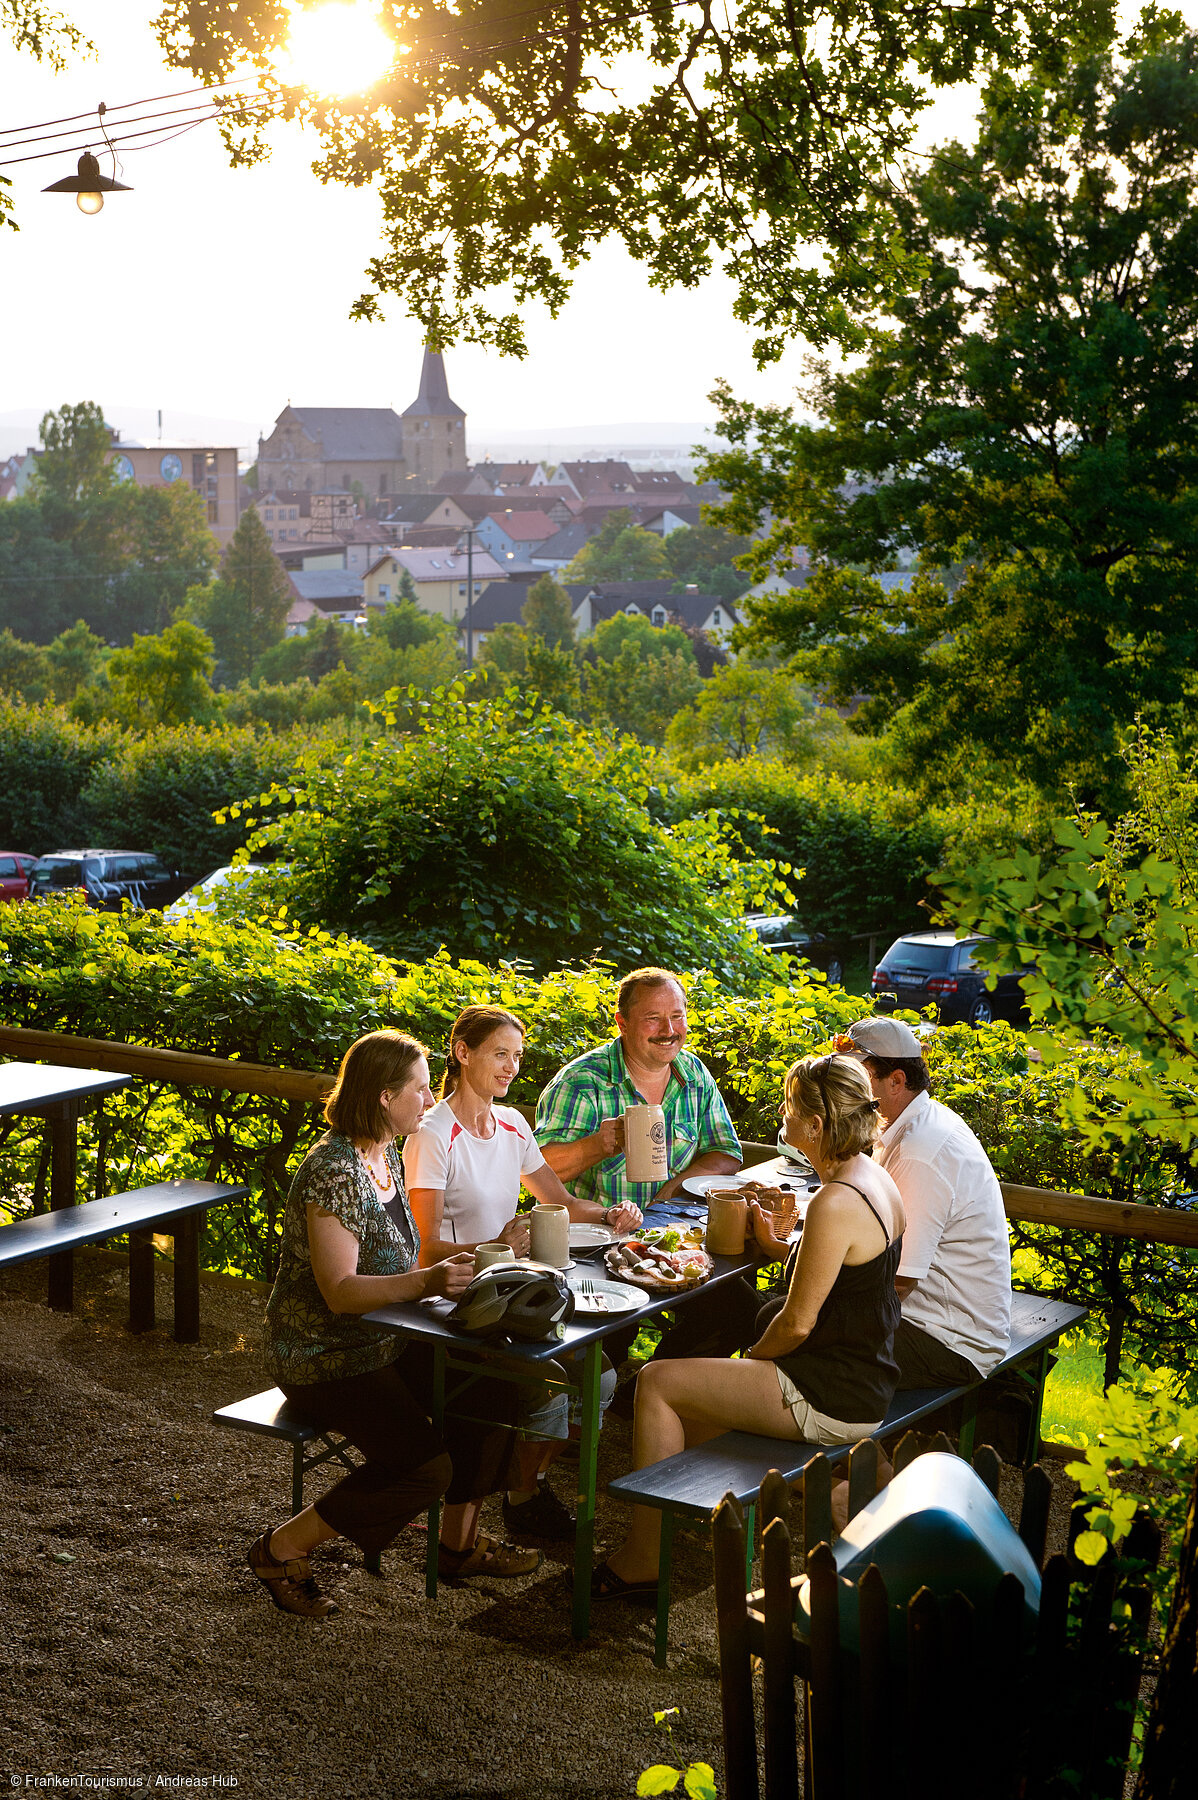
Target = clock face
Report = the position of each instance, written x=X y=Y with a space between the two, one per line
x=171 y=468
x=123 y=468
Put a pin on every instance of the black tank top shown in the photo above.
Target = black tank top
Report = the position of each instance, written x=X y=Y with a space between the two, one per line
x=846 y=1368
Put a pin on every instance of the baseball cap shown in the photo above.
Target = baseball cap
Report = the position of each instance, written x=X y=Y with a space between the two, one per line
x=884 y=1037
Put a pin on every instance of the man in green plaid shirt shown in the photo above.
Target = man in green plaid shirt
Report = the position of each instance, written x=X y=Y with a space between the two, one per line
x=580 y=1115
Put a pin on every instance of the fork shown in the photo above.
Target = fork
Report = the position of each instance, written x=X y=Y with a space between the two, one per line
x=586 y=1289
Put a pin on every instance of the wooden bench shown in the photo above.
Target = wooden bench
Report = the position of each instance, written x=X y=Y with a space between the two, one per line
x=271 y=1414
x=175 y=1208
x=694 y=1482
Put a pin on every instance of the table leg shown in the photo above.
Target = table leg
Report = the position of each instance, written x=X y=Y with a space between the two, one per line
x=187 y=1278
x=64 y=1160
x=434 y=1511
x=662 y=1638
x=141 y=1280
x=588 y=1457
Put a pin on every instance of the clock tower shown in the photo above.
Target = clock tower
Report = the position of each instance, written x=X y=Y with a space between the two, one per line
x=434 y=428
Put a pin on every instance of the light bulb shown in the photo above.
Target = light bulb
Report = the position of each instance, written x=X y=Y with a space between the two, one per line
x=89 y=203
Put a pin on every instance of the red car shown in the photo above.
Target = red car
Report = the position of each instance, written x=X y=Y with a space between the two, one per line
x=16 y=866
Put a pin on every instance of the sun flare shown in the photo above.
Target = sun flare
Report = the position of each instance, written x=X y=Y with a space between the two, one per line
x=340 y=48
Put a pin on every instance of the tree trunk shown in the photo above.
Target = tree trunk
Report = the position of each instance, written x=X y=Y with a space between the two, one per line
x=1171 y=1740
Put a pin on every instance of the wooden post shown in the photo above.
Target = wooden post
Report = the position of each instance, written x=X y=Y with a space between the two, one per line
x=781 y=1714
x=736 y=1682
x=141 y=1280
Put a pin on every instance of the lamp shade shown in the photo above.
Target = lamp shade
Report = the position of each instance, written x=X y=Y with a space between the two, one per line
x=88 y=181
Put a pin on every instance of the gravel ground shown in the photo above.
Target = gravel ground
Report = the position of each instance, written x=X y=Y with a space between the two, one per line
x=135 y=1645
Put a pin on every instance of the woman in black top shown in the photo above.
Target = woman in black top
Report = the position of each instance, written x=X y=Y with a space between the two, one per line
x=823 y=1368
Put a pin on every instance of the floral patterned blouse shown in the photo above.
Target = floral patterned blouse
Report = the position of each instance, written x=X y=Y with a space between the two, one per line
x=305 y=1341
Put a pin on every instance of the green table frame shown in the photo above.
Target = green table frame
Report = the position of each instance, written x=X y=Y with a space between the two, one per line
x=453 y=1350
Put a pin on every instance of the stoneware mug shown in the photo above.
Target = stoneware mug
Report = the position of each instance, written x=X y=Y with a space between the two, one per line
x=486 y=1254
x=550 y=1227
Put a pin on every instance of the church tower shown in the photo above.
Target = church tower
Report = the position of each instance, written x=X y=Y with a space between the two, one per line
x=434 y=428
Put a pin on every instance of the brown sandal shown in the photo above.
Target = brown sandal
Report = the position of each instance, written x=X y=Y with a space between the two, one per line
x=291 y=1585
x=502 y=1562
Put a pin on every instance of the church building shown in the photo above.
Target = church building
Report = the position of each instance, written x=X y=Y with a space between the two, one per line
x=321 y=447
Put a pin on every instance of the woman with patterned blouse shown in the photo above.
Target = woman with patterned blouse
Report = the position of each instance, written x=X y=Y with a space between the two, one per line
x=350 y=1245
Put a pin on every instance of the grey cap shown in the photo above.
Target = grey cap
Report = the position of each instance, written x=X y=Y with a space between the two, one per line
x=885 y=1037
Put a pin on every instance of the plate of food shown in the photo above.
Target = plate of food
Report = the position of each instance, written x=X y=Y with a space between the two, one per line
x=671 y=1237
x=602 y=1296
x=655 y=1270
x=771 y=1174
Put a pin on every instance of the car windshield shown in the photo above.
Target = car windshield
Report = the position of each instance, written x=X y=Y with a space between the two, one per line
x=58 y=874
x=774 y=931
x=908 y=955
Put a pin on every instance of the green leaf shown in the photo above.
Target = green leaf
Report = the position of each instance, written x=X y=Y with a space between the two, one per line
x=1090 y=1547
x=660 y=1779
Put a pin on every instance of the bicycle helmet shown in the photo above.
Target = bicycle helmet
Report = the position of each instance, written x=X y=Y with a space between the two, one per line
x=531 y=1304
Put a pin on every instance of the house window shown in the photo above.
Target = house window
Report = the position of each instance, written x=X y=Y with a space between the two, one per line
x=384 y=591
x=715 y=617
x=270 y=512
x=659 y=615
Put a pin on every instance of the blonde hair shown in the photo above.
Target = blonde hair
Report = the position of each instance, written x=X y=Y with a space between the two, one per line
x=836 y=1091
x=473 y=1027
x=375 y=1063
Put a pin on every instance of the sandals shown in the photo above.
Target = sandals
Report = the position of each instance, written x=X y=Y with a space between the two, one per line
x=290 y=1584
x=489 y=1557
x=607 y=1585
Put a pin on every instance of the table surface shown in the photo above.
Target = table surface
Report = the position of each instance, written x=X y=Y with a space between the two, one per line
x=428 y=1319
x=24 y=1086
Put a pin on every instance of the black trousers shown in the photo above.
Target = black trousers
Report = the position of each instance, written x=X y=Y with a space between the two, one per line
x=924 y=1362
x=408 y=1465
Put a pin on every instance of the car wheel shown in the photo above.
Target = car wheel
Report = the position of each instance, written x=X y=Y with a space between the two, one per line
x=836 y=972
x=982 y=1011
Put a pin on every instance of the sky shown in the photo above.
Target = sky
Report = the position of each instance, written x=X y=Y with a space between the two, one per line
x=219 y=295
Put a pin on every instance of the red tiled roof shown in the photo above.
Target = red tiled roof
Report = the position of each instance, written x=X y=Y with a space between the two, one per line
x=524 y=527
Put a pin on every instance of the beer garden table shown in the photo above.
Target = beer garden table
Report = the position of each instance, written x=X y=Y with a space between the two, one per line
x=58 y=1095
x=426 y=1322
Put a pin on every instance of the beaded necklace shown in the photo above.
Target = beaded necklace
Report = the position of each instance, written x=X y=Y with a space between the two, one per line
x=383 y=1189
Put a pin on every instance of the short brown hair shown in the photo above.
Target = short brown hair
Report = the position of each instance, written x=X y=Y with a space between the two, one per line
x=376 y=1062
x=913 y=1069
x=836 y=1091
x=472 y=1027
x=632 y=985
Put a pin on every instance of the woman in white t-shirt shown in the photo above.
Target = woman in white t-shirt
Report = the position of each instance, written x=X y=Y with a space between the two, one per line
x=463 y=1170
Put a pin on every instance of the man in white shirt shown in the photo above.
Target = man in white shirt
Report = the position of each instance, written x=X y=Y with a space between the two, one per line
x=954 y=1278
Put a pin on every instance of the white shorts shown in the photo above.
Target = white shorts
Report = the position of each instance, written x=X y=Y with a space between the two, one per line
x=816 y=1427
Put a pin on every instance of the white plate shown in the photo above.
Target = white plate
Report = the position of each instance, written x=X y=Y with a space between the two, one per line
x=585 y=1237
x=778 y=1173
x=609 y=1297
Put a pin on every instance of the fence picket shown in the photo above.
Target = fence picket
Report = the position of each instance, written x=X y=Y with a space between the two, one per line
x=987 y=1466
x=863 y=1475
x=781 y=1717
x=909 y=1447
x=1033 y=1514
x=774 y=1499
x=878 y=1775
x=824 y=1699
x=817 y=1503
x=923 y=1724
x=736 y=1681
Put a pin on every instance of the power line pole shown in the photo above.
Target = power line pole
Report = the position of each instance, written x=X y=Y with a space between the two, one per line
x=470 y=598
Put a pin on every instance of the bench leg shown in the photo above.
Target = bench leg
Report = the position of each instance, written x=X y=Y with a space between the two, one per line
x=969 y=1419
x=373 y=1561
x=434 y=1511
x=141 y=1281
x=1032 y=1453
x=297 y=1479
x=64 y=1168
x=588 y=1457
x=661 y=1639
x=187 y=1278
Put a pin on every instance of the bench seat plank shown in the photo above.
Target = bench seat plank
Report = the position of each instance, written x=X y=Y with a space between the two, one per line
x=93 y=1220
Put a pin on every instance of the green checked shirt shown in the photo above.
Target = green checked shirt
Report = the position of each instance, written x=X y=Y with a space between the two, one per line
x=597 y=1086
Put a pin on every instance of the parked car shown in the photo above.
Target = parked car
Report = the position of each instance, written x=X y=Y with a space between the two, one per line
x=107 y=877
x=16 y=866
x=934 y=967
x=202 y=897
x=787 y=936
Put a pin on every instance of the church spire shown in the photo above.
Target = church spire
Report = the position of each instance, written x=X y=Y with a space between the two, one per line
x=433 y=401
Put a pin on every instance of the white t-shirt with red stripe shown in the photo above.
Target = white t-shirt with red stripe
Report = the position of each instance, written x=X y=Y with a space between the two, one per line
x=480 y=1176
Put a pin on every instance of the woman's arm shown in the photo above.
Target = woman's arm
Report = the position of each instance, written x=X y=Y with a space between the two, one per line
x=334 y=1255
x=547 y=1187
x=827 y=1235
x=428 y=1210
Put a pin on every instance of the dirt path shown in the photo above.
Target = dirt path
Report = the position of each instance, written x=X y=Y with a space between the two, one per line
x=135 y=1646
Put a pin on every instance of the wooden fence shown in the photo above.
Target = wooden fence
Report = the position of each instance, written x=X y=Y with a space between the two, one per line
x=973 y=1710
